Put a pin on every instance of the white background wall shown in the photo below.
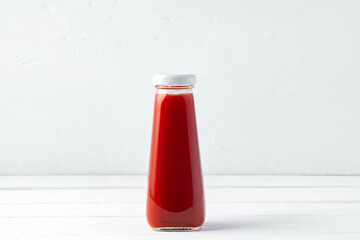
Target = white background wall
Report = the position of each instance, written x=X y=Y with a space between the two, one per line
x=278 y=83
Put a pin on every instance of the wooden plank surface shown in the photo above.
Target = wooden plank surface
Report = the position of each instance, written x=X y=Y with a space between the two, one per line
x=216 y=225
x=213 y=195
x=201 y=235
x=140 y=181
x=238 y=207
x=213 y=209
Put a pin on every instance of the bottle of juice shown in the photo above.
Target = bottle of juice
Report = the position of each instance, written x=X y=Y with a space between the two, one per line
x=175 y=200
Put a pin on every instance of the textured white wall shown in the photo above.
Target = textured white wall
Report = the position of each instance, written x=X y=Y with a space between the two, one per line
x=278 y=83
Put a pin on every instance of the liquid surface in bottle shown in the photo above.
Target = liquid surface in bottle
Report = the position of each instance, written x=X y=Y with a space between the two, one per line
x=175 y=190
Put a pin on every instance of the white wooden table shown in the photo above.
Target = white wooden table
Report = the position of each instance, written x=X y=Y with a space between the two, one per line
x=238 y=207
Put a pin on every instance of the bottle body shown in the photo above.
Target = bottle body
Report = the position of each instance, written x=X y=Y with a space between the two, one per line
x=175 y=198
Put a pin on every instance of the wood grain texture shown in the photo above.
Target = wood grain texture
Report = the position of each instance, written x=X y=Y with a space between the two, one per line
x=140 y=181
x=113 y=207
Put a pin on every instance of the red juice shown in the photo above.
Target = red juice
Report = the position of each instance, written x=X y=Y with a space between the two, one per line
x=175 y=192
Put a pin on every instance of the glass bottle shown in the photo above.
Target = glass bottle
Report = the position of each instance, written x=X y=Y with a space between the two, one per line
x=175 y=199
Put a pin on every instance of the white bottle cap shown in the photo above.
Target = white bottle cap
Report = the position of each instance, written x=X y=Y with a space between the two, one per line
x=170 y=79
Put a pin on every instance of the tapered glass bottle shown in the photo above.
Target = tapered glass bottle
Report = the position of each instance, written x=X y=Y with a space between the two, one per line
x=175 y=200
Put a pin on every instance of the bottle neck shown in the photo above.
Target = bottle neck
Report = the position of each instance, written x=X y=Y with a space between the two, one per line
x=174 y=89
